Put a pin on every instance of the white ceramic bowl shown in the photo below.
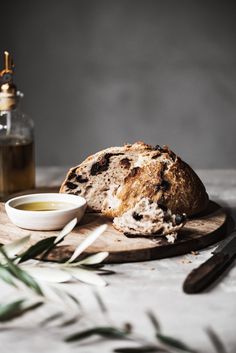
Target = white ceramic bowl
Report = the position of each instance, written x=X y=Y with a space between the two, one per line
x=45 y=220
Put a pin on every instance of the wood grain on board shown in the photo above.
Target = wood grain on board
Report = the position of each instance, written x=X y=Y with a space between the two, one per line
x=199 y=232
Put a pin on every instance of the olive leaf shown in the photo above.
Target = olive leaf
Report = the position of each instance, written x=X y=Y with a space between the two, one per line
x=21 y=275
x=91 y=259
x=37 y=249
x=51 y=318
x=10 y=310
x=52 y=273
x=48 y=274
x=174 y=343
x=6 y=276
x=100 y=302
x=66 y=230
x=44 y=246
x=17 y=268
x=86 y=276
x=87 y=242
x=63 y=233
x=14 y=248
x=66 y=297
x=15 y=309
x=103 y=331
x=70 y=321
x=154 y=321
x=74 y=299
x=216 y=341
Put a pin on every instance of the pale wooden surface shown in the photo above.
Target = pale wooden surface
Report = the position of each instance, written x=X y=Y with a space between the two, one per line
x=197 y=233
x=137 y=287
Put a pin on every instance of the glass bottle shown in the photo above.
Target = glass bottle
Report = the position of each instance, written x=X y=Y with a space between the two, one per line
x=17 y=163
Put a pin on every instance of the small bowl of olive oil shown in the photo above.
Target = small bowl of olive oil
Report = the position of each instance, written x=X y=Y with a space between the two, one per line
x=49 y=211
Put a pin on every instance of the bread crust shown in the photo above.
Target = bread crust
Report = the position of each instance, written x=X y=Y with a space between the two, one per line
x=161 y=176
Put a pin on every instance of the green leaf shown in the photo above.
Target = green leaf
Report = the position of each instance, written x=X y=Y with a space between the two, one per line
x=32 y=307
x=51 y=318
x=37 y=249
x=70 y=321
x=216 y=341
x=11 y=310
x=64 y=232
x=16 y=309
x=100 y=302
x=174 y=343
x=26 y=279
x=106 y=331
x=21 y=275
x=6 y=276
x=74 y=299
x=142 y=349
x=154 y=321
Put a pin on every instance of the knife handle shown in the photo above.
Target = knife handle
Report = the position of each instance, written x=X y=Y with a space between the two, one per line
x=205 y=274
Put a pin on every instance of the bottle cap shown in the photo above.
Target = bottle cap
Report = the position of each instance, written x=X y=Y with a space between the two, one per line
x=8 y=91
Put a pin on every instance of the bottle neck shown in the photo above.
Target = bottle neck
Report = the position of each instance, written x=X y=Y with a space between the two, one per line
x=7 y=103
x=10 y=102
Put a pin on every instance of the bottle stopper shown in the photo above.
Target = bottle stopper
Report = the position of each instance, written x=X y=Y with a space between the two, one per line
x=8 y=91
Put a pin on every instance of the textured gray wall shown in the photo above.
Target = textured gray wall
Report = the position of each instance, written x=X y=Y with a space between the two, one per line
x=101 y=73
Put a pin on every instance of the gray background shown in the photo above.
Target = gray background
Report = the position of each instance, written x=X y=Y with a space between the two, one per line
x=101 y=73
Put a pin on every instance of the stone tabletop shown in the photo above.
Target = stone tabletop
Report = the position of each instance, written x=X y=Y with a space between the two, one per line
x=134 y=289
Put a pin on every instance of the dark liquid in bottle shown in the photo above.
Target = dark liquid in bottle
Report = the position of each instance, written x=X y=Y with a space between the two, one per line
x=17 y=168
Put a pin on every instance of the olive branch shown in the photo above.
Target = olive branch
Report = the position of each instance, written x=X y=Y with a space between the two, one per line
x=20 y=269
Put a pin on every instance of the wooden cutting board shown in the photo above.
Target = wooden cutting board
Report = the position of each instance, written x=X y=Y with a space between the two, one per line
x=199 y=232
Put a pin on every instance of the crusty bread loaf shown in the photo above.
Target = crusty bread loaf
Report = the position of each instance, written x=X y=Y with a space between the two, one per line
x=116 y=179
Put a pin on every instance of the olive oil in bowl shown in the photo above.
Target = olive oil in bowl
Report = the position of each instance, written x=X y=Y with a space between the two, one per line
x=44 y=206
x=47 y=211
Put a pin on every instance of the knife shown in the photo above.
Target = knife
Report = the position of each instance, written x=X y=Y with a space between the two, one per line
x=204 y=275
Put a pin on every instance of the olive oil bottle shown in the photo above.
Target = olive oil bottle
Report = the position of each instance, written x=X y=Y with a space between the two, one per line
x=17 y=166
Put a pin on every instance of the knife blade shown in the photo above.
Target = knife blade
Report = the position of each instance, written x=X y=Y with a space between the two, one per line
x=204 y=275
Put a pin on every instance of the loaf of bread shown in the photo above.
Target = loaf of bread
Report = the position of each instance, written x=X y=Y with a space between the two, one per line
x=115 y=180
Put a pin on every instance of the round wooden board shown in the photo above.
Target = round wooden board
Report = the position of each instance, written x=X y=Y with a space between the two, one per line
x=198 y=233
